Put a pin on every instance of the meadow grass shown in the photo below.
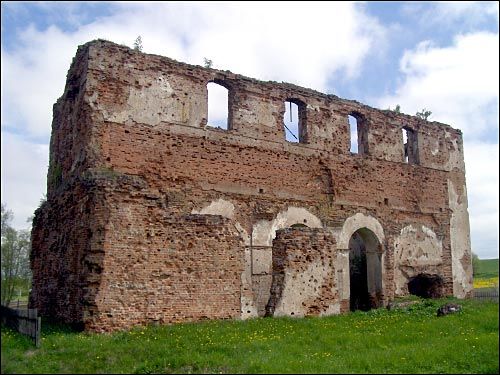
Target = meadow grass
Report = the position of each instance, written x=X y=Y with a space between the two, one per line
x=488 y=268
x=411 y=340
x=487 y=274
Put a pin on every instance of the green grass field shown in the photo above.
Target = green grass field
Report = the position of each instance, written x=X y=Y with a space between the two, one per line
x=412 y=340
x=487 y=268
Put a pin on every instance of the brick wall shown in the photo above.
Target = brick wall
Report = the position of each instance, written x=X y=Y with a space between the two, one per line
x=131 y=157
x=304 y=274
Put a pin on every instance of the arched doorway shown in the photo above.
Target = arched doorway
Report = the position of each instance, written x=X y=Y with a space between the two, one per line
x=365 y=270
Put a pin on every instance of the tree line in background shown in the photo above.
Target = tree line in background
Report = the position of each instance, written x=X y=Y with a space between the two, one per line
x=15 y=268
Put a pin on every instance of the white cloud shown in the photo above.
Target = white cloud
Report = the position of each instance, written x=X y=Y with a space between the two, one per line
x=481 y=165
x=452 y=14
x=24 y=171
x=300 y=43
x=472 y=12
x=459 y=84
x=33 y=77
x=305 y=43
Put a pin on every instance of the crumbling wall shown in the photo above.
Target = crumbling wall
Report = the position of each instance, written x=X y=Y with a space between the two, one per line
x=304 y=274
x=68 y=249
x=417 y=251
x=168 y=270
x=137 y=124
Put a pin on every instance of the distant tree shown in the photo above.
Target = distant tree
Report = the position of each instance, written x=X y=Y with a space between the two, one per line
x=475 y=264
x=138 y=43
x=6 y=218
x=15 y=252
x=207 y=62
x=424 y=114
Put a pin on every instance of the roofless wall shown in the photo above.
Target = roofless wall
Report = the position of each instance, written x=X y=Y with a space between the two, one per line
x=154 y=215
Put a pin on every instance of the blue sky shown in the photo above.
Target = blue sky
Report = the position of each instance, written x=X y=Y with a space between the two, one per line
x=434 y=55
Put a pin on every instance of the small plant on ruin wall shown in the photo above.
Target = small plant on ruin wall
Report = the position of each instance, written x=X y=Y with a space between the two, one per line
x=207 y=63
x=55 y=175
x=138 y=43
x=424 y=114
x=43 y=199
x=397 y=109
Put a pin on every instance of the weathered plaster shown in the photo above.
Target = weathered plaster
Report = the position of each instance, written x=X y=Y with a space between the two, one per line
x=455 y=154
x=358 y=221
x=342 y=274
x=416 y=250
x=460 y=242
x=298 y=288
x=218 y=207
x=264 y=231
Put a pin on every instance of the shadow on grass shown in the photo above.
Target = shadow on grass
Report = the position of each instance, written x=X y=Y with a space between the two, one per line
x=52 y=326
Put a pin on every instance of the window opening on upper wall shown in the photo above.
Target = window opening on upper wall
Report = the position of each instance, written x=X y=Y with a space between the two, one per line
x=353 y=130
x=291 y=122
x=218 y=106
x=405 y=145
x=410 y=146
x=358 y=134
x=294 y=121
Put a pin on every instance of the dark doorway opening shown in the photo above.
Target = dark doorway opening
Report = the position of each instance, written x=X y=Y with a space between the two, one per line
x=426 y=286
x=365 y=271
x=360 y=299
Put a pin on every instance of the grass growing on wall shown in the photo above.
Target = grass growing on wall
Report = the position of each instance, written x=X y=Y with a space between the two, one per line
x=411 y=340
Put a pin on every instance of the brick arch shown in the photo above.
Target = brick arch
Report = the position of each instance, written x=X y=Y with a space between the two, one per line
x=357 y=222
x=264 y=231
x=263 y=234
x=224 y=208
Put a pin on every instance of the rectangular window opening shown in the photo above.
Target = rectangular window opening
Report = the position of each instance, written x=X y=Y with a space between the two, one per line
x=353 y=132
x=218 y=107
x=410 y=146
x=358 y=133
x=294 y=121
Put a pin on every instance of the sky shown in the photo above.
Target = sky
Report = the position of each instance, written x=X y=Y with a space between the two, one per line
x=441 y=56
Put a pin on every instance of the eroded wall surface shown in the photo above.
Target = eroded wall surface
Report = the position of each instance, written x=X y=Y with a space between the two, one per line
x=304 y=274
x=130 y=135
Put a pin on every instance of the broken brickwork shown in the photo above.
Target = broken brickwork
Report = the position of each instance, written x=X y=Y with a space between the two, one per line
x=304 y=273
x=154 y=216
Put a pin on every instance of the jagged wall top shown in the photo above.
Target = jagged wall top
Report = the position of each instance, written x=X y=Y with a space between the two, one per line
x=108 y=82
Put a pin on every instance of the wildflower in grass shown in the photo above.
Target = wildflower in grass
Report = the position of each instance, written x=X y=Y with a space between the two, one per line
x=486 y=283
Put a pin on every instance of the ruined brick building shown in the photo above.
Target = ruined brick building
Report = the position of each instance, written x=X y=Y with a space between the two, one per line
x=154 y=216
